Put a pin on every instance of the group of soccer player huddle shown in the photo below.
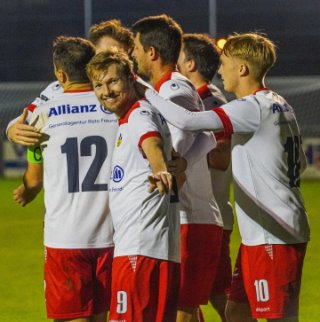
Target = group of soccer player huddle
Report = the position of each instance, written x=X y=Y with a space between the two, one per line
x=135 y=149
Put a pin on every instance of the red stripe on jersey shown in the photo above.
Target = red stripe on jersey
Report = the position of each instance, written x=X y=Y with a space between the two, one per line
x=227 y=125
x=79 y=90
x=167 y=76
x=260 y=90
x=125 y=117
x=148 y=135
x=31 y=107
x=204 y=91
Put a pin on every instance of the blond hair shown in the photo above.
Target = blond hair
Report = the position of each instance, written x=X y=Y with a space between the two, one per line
x=100 y=63
x=257 y=50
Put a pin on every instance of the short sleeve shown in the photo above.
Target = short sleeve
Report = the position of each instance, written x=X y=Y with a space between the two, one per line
x=244 y=115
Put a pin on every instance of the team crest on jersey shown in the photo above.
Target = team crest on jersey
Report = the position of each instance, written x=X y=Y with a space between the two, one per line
x=117 y=173
x=144 y=112
x=174 y=86
x=119 y=141
x=104 y=110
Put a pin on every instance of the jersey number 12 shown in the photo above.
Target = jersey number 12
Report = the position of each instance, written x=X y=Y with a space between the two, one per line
x=71 y=149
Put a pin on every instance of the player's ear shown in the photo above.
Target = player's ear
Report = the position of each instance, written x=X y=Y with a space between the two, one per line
x=191 y=65
x=63 y=76
x=153 y=53
x=244 y=69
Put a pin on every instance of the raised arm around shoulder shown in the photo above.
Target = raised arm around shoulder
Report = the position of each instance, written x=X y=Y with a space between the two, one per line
x=182 y=118
x=21 y=133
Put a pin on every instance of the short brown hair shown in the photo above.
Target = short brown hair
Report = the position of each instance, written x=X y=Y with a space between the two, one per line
x=201 y=48
x=113 y=29
x=254 y=48
x=71 y=54
x=161 y=32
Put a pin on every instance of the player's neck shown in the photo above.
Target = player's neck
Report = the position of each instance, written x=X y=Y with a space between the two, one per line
x=248 y=88
x=159 y=71
x=69 y=86
x=197 y=80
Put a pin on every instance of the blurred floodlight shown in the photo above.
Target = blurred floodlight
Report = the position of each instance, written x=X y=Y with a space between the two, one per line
x=221 y=42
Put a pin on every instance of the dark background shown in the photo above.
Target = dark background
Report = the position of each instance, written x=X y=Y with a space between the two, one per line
x=28 y=27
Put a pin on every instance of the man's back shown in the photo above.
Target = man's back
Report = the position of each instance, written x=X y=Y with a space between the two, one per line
x=77 y=158
x=267 y=159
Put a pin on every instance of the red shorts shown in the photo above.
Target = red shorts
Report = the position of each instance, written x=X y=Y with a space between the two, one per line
x=223 y=278
x=269 y=277
x=144 y=289
x=200 y=253
x=77 y=282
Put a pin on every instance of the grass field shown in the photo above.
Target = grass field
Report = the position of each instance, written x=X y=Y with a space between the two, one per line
x=21 y=255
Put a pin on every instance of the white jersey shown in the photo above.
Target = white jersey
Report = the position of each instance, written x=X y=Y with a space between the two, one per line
x=77 y=163
x=145 y=223
x=220 y=180
x=197 y=202
x=52 y=91
x=267 y=159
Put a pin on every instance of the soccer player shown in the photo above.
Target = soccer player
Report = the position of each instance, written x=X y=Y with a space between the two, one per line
x=267 y=160
x=104 y=35
x=199 y=61
x=145 y=277
x=74 y=162
x=157 y=43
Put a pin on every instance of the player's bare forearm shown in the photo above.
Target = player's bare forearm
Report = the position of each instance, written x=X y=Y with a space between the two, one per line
x=161 y=178
x=32 y=184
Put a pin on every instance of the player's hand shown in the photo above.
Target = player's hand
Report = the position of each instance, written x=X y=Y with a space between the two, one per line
x=161 y=180
x=23 y=134
x=19 y=195
x=177 y=164
x=22 y=196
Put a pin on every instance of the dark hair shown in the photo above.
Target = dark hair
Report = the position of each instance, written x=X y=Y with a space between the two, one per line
x=101 y=62
x=113 y=29
x=162 y=33
x=201 y=48
x=71 y=54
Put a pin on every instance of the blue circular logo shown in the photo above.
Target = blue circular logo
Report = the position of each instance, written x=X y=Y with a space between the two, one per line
x=104 y=110
x=117 y=173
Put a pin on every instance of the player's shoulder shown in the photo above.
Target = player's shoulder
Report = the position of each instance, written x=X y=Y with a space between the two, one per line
x=53 y=90
x=249 y=100
x=217 y=93
x=177 y=83
x=141 y=109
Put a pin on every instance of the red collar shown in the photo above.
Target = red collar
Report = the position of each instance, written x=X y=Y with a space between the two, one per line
x=260 y=90
x=124 y=119
x=163 y=79
x=204 y=91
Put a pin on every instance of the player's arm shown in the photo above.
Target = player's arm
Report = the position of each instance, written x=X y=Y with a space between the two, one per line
x=161 y=178
x=219 y=158
x=32 y=179
x=203 y=143
x=21 y=133
x=183 y=118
